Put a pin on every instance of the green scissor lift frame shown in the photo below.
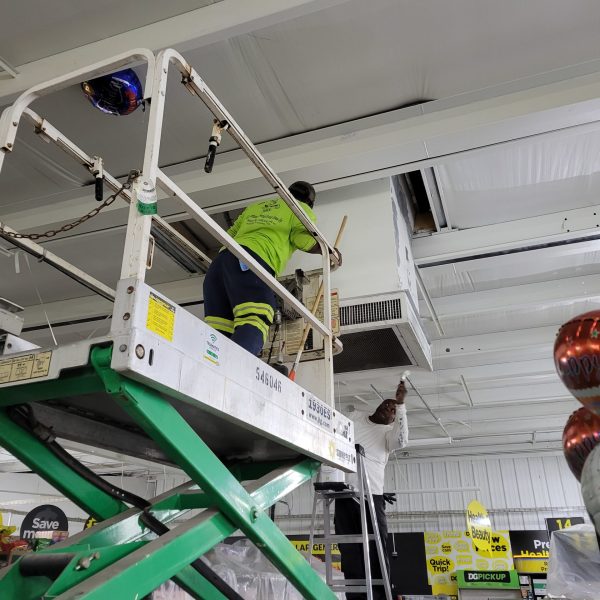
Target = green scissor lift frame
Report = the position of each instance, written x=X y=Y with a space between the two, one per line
x=119 y=557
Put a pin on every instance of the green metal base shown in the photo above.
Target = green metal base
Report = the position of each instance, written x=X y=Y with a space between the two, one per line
x=119 y=558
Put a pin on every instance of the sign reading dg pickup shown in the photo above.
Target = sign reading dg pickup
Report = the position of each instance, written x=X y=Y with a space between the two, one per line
x=479 y=526
x=487 y=579
x=488 y=576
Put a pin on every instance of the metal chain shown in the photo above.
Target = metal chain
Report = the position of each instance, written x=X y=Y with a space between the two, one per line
x=133 y=175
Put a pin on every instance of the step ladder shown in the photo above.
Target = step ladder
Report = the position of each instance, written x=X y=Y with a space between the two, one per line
x=328 y=492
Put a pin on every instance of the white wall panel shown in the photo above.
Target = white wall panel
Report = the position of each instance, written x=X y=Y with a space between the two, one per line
x=519 y=492
x=22 y=492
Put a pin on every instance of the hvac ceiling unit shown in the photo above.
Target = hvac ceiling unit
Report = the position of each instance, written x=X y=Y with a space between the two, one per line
x=380 y=332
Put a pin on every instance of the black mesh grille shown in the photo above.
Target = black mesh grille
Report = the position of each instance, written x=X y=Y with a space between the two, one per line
x=375 y=349
x=371 y=312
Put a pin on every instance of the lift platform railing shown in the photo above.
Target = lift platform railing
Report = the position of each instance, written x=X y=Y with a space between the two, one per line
x=142 y=228
x=222 y=416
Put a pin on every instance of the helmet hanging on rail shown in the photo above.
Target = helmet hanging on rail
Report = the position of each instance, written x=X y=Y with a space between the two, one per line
x=117 y=94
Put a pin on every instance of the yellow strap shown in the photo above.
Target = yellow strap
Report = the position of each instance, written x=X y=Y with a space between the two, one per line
x=254 y=308
x=219 y=323
x=255 y=322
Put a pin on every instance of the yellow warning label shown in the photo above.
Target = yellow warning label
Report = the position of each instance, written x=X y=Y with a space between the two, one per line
x=28 y=366
x=161 y=317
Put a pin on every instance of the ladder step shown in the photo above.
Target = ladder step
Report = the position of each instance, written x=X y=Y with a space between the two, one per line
x=356 y=538
x=350 y=588
x=353 y=582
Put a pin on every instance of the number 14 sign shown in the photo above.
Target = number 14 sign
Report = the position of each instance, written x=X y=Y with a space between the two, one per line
x=557 y=523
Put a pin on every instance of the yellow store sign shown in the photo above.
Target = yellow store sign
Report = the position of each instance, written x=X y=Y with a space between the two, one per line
x=479 y=526
x=318 y=551
x=448 y=551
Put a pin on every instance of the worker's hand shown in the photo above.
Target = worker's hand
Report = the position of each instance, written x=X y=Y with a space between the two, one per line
x=400 y=393
x=338 y=256
x=389 y=497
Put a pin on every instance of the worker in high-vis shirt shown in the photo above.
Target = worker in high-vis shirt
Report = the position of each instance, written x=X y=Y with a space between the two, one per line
x=236 y=302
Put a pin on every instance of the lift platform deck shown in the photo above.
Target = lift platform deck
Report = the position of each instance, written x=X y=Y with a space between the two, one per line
x=166 y=387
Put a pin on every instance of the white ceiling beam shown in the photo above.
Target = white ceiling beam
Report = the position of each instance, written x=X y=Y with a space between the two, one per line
x=482 y=449
x=502 y=372
x=449 y=398
x=523 y=297
x=502 y=346
x=556 y=227
x=503 y=340
x=8 y=68
x=391 y=143
x=193 y=29
x=508 y=425
x=12 y=466
x=493 y=389
x=91 y=453
x=495 y=412
x=185 y=290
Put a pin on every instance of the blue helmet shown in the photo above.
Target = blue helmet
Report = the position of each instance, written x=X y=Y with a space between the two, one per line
x=117 y=94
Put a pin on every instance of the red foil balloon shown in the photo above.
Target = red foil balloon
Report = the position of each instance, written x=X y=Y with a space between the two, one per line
x=580 y=437
x=577 y=358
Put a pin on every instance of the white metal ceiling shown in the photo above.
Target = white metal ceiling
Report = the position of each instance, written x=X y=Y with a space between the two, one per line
x=31 y=30
x=493 y=381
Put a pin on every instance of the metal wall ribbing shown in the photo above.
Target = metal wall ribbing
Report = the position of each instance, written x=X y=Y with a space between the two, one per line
x=519 y=492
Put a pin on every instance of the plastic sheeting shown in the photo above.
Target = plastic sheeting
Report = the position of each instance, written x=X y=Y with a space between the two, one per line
x=574 y=567
x=521 y=180
x=248 y=572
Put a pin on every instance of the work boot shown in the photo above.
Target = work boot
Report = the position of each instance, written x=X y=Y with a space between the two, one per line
x=281 y=368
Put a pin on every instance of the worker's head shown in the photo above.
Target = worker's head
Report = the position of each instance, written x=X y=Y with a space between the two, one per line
x=303 y=192
x=385 y=413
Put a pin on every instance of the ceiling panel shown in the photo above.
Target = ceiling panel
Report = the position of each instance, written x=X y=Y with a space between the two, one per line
x=53 y=27
x=518 y=181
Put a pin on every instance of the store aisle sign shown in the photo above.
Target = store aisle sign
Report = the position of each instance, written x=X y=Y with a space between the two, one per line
x=557 y=523
x=531 y=549
x=300 y=542
x=45 y=521
x=446 y=552
x=479 y=526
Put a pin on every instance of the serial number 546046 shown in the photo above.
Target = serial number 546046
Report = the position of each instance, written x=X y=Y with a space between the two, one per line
x=268 y=379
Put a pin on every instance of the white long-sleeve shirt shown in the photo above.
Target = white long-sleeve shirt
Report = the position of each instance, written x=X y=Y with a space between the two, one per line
x=378 y=441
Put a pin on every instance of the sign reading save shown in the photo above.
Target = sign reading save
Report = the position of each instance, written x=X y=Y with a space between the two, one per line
x=479 y=526
x=43 y=521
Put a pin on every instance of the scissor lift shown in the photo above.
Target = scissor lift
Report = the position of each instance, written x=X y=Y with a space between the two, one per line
x=163 y=386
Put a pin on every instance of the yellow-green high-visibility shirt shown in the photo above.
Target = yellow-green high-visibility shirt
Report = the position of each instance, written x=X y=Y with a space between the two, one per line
x=273 y=231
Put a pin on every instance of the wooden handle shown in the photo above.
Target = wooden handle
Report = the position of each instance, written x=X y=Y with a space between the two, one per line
x=308 y=326
x=341 y=230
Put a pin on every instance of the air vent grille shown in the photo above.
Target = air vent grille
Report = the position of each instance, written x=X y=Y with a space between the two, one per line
x=365 y=350
x=371 y=312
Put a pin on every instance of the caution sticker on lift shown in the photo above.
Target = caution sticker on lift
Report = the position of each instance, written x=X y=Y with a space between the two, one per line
x=28 y=366
x=161 y=317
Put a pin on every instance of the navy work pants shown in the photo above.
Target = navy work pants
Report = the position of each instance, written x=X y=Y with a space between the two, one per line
x=237 y=303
